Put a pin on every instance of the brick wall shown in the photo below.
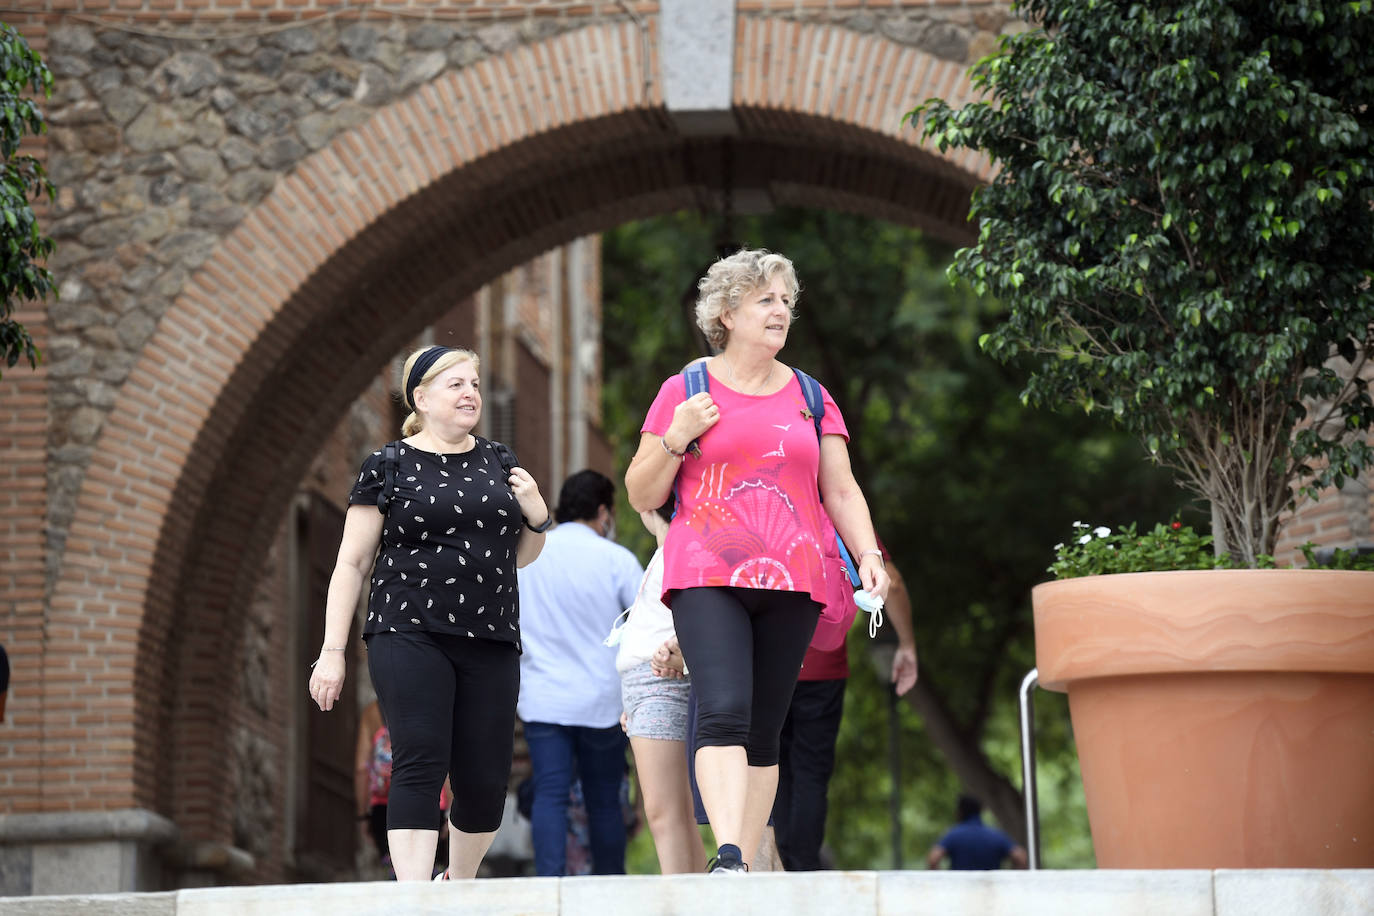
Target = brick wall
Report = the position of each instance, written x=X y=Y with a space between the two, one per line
x=262 y=203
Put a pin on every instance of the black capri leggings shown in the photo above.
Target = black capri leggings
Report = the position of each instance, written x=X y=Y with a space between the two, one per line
x=449 y=703
x=744 y=648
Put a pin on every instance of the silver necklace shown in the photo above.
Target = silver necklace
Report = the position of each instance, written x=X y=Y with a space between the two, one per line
x=731 y=369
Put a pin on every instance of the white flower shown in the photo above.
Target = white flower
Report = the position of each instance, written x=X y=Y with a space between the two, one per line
x=1058 y=546
x=1085 y=539
x=1102 y=532
x=1079 y=525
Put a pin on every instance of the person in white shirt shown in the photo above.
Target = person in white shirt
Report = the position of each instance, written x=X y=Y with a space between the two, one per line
x=654 y=690
x=569 y=686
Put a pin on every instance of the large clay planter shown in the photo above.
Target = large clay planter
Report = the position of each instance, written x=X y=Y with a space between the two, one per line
x=1224 y=719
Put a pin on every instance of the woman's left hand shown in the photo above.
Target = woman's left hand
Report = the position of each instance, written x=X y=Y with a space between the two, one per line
x=667 y=660
x=873 y=576
x=528 y=496
x=327 y=679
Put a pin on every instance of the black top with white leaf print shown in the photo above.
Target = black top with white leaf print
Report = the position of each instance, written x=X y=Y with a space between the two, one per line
x=446 y=563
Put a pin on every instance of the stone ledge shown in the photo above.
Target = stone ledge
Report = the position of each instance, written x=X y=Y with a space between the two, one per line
x=1277 y=892
x=135 y=824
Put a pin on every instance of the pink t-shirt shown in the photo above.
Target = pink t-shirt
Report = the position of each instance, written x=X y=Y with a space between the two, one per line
x=749 y=512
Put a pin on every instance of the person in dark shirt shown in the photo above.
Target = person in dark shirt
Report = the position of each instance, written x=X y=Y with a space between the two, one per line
x=436 y=533
x=971 y=845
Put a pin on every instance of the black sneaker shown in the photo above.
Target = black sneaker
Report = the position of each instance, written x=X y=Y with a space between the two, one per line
x=726 y=865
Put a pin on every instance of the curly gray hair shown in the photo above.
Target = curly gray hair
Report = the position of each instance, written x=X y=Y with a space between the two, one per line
x=730 y=279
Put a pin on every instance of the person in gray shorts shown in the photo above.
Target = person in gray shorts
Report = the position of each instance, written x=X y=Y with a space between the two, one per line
x=654 y=689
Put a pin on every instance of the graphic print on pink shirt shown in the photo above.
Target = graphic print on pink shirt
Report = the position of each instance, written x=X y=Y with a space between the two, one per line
x=749 y=512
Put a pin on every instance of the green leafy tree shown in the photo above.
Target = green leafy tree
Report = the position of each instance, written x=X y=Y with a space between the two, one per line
x=1181 y=224
x=22 y=245
x=967 y=488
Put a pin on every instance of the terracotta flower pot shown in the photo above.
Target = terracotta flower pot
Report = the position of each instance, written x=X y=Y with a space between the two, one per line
x=1224 y=719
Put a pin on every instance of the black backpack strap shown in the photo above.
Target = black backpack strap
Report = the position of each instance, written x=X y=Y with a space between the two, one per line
x=504 y=456
x=391 y=463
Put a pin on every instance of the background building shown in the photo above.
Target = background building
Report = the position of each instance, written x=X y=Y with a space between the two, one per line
x=262 y=203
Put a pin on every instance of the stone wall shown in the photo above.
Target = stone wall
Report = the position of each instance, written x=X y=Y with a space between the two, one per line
x=259 y=205
x=165 y=135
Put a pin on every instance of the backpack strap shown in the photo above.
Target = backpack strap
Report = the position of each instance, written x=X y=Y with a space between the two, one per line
x=696 y=379
x=391 y=463
x=504 y=456
x=815 y=404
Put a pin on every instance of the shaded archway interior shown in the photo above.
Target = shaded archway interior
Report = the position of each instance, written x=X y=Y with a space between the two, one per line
x=329 y=341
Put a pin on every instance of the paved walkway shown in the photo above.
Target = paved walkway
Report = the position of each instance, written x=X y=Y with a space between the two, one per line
x=1005 y=893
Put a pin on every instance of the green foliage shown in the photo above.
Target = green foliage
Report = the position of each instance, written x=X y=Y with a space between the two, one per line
x=22 y=71
x=1097 y=551
x=1180 y=225
x=965 y=485
x=859 y=830
x=1339 y=558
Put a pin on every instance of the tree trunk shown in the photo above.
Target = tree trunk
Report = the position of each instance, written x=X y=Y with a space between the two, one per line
x=966 y=758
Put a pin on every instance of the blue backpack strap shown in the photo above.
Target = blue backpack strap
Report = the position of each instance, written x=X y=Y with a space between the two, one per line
x=696 y=380
x=815 y=403
x=850 y=567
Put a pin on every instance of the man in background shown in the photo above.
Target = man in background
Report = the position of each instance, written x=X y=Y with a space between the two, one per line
x=971 y=845
x=569 y=686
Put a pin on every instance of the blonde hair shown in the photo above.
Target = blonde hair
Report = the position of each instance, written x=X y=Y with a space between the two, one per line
x=414 y=422
x=731 y=279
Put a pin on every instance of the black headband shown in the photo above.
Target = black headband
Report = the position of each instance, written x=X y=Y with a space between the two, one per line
x=423 y=363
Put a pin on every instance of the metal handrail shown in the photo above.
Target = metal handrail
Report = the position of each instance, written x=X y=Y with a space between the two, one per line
x=1028 y=784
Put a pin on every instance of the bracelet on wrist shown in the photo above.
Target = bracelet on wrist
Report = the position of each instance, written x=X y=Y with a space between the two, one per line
x=325 y=649
x=667 y=448
x=540 y=529
x=874 y=552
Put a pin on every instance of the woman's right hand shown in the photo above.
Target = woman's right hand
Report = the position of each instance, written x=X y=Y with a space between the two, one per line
x=327 y=679
x=691 y=418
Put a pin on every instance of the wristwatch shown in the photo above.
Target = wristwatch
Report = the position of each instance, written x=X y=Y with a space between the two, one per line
x=540 y=529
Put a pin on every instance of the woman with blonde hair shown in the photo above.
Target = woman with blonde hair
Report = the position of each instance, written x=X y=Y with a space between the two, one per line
x=437 y=524
x=745 y=556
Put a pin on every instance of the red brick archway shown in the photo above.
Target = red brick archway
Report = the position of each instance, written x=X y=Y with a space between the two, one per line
x=362 y=245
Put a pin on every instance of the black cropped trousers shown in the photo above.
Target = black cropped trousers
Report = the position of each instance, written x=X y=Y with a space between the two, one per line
x=449 y=703
x=744 y=648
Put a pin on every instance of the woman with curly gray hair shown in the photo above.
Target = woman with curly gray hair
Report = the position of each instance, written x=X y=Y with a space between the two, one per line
x=745 y=556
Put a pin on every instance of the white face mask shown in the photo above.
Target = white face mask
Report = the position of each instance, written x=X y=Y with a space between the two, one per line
x=874 y=606
x=609 y=533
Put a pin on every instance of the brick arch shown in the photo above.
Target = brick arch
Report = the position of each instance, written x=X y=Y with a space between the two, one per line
x=362 y=245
